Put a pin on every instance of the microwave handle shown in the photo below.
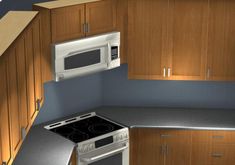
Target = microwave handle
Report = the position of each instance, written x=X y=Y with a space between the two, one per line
x=102 y=156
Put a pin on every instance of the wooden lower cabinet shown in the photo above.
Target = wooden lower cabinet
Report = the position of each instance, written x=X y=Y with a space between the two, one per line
x=151 y=146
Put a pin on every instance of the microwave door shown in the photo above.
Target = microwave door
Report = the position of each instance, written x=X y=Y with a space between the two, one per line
x=81 y=63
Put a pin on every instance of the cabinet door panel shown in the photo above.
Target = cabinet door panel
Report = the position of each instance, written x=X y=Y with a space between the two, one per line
x=30 y=75
x=145 y=147
x=201 y=154
x=67 y=23
x=5 y=143
x=13 y=101
x=223 y=154
x=221 y=47
x=147 y=38
x=178 y=146
x=101 y=16
x=37 y=63
x=187 y=39
x=21 y=82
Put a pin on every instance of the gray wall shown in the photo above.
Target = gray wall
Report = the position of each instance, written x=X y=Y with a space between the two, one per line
x=118 y=90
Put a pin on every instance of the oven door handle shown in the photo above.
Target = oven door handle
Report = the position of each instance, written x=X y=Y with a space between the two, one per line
x=102 y=156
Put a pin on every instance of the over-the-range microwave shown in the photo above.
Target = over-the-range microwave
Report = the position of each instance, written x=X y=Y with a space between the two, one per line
x=85 y=56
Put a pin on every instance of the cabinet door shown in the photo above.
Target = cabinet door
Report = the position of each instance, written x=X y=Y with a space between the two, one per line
x=67 y=23
x=122 y=26
x=223 y=154
x=5 y=143
x=178 y=146
x=13 y=103
x=147 y=38
x=30 y=74
x=221 y=47
x=37 y=64
x=101 y=16
x=187 y=39
x=145 y=147
x=21 y=82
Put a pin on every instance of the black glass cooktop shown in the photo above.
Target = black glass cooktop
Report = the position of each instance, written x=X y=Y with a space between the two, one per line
x=86 y=129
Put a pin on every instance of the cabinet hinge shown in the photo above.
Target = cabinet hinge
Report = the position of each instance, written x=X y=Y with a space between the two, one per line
x=38 y=104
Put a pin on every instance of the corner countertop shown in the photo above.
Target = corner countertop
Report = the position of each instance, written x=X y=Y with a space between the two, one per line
x=11 y=25
x=44 y=147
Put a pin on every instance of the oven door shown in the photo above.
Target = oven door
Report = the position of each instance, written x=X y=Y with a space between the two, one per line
x=117 y=154
x=81 y=62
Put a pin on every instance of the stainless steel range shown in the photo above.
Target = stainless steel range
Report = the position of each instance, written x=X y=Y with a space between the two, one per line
x=99 y=140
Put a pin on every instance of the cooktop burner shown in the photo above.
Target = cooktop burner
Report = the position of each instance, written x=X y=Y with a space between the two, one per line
x=86 y=129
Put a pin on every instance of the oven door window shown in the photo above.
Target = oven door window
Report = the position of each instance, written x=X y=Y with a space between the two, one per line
x=83 y=59
x=112 y=160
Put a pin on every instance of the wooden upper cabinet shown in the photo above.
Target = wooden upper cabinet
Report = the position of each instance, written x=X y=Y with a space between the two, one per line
x=147 y=38
x=145 y=147
x=67 y=23
x=187 y=39
x=21 y=83
x=101 y=16
x=13 y=102
x=5 y=143
x=221 y=47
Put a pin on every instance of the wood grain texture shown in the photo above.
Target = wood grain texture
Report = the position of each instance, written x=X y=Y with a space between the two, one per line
x=11 y=26
x=101 y=16
x=187 y=32
x=67 y=23
x=13 y=103
x=46 y=61
x=62 y=3
x=221 y=47
x=178 y=143
x=147 y=38
x=145 y=147
x=122 y=26
x=5 y=143
x=30 y=74
x=21 y=83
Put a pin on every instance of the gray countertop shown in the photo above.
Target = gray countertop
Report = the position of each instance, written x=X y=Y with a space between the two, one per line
x=42 y=147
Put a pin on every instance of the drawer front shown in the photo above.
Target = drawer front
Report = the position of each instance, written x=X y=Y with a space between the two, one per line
x=223 y=154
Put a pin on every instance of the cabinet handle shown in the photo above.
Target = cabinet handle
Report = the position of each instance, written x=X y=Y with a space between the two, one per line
x=84 y=28
x=208 y=73
x=169 y=72
x=163 y=148
x=23 y=133
x=88 y=28
x=217 y=137
x=217 y=155
x=38 y=104
x=164 y=72
x=166 y=135
x=4 y=163
x=167 y=150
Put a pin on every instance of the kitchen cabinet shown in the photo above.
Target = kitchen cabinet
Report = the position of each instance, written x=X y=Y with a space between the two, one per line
x=63 y=21
x=13 y=102
x=221 y=49
x=165 y=43
x=213 y=147
x=20 y=88
x=67 y=23
x=158 y=146
x=187 y=35
x=101 y=16
x=147 y=39
x=5 y=143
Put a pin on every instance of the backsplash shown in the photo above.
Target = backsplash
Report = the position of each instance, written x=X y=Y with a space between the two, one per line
x=71 y=96
x=118 y=90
